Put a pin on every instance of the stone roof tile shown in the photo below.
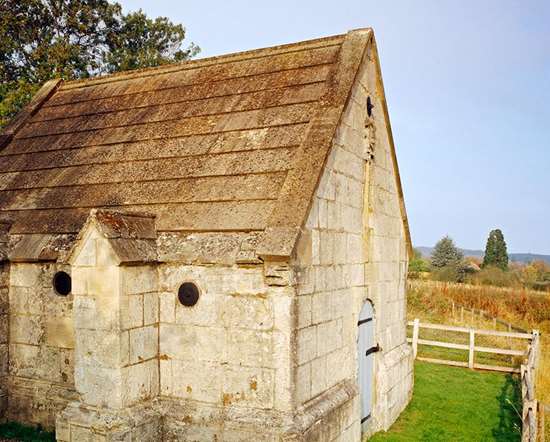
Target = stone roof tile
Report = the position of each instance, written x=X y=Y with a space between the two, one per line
x=235 y=143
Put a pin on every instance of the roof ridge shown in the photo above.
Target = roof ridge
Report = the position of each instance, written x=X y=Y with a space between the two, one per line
x=199 y=63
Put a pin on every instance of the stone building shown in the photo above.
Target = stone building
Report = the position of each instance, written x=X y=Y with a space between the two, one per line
x=213 y=250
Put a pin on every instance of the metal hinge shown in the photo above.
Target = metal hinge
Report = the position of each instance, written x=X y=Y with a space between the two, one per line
x=374 y=349
x=364 y=321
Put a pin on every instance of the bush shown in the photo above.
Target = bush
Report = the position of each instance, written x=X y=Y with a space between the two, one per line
x=450 y=273
x=418 y=266
x=543 y=286
x=445 y=274
x=494 y=276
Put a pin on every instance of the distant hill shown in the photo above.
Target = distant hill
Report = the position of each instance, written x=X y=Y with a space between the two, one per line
x=517 y=257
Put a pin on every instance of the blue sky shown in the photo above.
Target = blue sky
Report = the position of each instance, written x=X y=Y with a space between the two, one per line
x=468 y=88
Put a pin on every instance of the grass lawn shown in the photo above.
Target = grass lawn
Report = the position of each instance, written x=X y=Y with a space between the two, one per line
x=457 y=404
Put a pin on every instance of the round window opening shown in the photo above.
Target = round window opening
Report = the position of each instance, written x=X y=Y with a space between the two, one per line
x=62 y=283
x=188 y=294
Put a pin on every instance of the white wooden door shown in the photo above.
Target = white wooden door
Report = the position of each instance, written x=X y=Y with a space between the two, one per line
x=366 y=349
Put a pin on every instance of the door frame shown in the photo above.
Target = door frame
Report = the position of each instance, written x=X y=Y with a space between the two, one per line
x=366 y=318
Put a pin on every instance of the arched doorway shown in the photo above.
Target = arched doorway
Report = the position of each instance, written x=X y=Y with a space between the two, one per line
x=366 y=349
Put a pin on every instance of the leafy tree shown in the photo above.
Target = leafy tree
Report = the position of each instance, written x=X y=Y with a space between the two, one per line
x=145 y=42
x=446 y=254
x=536 y=275
x=417 y=265
x=44 y=39
x=496 y=253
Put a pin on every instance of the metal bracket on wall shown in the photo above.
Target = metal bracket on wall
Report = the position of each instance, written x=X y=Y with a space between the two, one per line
x=374 y=349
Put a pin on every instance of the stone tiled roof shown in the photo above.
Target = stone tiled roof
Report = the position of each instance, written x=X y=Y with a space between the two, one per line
x=231 y=143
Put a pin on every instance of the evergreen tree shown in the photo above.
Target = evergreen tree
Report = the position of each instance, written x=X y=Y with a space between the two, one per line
x=496 y=253
x=446 y=254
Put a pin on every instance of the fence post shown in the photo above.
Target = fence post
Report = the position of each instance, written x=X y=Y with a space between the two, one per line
x=541 y=422
x=461 y=314
x=471 y=350
x=494 y=323
x=536 y=347
x=525 y=409
x=416 y=327
x=453 y=309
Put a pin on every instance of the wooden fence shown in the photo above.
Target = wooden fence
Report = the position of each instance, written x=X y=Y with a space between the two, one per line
x=531 y=409
x=465 y=314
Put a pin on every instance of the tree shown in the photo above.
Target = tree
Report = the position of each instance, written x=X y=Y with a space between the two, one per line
x=143 y=42
x=536 y=275
x=417 y=265
x=446 y=254
x=496 y=253
x=68 y=39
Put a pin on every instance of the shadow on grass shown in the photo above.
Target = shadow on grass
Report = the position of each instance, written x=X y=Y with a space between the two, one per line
x=509 y=426
x=457 y=404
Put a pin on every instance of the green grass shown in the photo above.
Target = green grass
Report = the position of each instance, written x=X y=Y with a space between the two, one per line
x=18 y=432
x=457 y=404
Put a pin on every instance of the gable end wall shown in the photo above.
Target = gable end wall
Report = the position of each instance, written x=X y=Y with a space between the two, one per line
x=354 y=248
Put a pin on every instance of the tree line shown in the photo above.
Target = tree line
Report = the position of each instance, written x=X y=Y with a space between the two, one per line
x=448 y=263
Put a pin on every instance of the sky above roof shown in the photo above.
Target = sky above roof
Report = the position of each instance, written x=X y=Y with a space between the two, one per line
x=468 y=89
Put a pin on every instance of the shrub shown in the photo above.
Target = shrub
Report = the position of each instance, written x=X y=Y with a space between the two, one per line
x=494 y=276
x=418 y=265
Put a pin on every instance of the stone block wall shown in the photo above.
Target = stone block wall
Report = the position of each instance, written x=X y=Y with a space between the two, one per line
x=116 y=317
x=330 y=273
x=228 y=352
x=353 y=249
x=116 y=359
x=386 y=256
x=41 y=345
x=4 y=336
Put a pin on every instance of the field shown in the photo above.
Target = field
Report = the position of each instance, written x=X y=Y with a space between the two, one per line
x=529 y=310
x=457 y=404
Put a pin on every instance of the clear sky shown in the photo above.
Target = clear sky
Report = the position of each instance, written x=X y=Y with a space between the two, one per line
x=468 y=89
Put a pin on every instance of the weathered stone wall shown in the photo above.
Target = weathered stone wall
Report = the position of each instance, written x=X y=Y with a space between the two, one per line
x=117 y=334
x=354 y=249
x=330 y=269
x=4 y=336
x=41 y=345
x=116 y=357
x=224 y=363
x=386 y=257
